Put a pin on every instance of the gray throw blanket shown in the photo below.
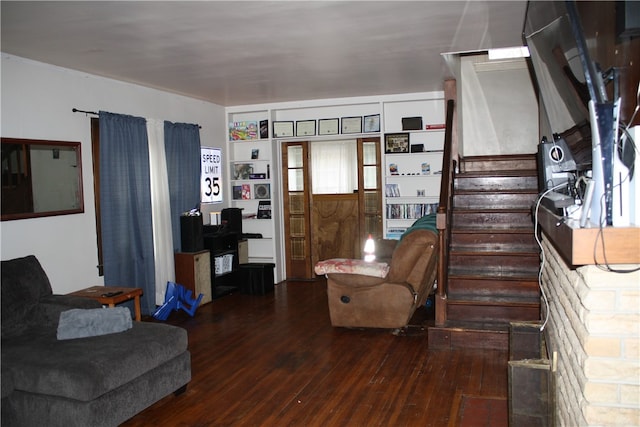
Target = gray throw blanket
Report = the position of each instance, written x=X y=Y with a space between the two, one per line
x=80 y=323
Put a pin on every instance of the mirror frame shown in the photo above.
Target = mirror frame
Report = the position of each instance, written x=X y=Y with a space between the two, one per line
x=52 y=144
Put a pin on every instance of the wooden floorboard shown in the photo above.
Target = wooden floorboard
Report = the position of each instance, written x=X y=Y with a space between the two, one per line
x=275 y=360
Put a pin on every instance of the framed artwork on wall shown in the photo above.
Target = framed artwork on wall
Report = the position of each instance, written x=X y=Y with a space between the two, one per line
x=396 y=143
x=372 y=123
x=328 y=126
x=352 y=124
x=282 y=129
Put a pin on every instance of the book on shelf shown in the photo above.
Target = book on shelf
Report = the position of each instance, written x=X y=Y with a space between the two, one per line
x=392 y=190
x=237 y=192
x=243 y=130
x=264 y=129
x=246 y=192
x=395 y=232
x=410 y=210
x=264 y=209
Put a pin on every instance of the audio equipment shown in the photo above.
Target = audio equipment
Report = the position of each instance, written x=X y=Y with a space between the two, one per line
x=555 y=163
x=191 y=233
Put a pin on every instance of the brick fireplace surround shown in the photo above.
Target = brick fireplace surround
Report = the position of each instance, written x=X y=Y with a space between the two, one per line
x=594 y=326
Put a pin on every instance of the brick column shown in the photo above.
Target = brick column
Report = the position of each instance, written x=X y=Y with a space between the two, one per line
x=594 y=325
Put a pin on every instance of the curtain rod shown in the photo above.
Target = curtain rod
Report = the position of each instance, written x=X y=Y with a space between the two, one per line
x=75 y=110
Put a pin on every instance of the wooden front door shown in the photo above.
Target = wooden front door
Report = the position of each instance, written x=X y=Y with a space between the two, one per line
x=324 y=226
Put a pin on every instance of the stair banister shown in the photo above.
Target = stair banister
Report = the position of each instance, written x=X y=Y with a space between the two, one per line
x=443 y=218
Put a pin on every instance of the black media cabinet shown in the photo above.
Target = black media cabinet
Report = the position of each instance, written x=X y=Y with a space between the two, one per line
x=223 y=248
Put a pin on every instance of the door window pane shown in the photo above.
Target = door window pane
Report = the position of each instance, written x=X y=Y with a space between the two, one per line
x=294 y=154
x=369 y=153
x=296 y=180
x=334 y=167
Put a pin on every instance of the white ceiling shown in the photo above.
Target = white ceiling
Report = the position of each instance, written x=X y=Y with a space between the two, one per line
x=249 y=52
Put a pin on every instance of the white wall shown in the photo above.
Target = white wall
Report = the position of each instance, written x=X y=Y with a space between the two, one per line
x=36 y=103
x=499 y=110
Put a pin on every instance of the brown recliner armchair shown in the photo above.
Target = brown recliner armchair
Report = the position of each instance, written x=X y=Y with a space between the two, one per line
x=357 y=300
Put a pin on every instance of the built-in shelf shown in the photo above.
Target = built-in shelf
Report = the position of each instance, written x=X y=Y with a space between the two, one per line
x=578 y=245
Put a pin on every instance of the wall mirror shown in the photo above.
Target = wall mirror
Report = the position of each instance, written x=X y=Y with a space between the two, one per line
x=40 y=178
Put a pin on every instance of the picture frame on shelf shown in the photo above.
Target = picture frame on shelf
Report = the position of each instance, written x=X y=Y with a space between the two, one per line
x=305 y=128
x=396 y=143
x=242 y=170
x=262 y=191
x=255 y=153
x=372 y=123
x=352 y=125
x=328 y=126
x=283 y=129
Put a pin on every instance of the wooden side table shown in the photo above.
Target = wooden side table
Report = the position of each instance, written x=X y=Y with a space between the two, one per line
x=101 y=294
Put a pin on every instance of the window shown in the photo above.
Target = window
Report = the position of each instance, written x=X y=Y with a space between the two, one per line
x=334 y=167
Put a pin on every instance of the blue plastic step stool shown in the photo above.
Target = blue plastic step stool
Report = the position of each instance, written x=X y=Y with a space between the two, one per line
x=177 y=297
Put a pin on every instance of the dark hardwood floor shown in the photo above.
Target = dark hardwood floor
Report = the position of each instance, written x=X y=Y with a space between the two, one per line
x=275 y=360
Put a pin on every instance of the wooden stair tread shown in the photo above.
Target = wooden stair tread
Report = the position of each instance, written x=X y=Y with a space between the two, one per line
x=502 y=300
x=491 y=250
x=488 y=273
x=475 y=326
x=494 y=157
x=492 y=229
x=507 y=173
x=485 y=191
x=467 y=210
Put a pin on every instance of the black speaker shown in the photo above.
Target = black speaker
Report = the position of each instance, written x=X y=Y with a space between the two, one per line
x=232 y=219
x=191 y=233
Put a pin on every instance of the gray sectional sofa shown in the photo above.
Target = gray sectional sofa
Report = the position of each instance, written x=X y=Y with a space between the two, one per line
x=95 y=381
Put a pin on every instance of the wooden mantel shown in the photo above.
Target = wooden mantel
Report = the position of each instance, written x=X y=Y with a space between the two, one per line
x=576 y=245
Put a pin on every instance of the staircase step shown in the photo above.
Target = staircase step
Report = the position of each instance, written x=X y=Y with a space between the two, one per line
x=475 y=219
x=494 y=200
x=511 y=180
x=484 y=260
x=492 y=238
x=497 y=272
x=492 y=309
x=461 y=288
x=454 y=334
x=499 y=162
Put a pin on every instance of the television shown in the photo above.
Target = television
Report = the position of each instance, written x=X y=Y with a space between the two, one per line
x=573 y=94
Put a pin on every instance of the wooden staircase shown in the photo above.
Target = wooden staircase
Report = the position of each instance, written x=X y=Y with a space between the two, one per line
x=493 y=262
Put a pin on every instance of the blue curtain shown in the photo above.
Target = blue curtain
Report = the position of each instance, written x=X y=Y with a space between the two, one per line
x=182 y=148
x=125 y=205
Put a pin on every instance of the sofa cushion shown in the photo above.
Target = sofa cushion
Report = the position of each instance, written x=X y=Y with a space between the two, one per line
x=86 y=368
x=79 y=323
x=23 y=283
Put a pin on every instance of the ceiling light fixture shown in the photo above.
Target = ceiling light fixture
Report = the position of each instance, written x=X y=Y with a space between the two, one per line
x=509 y=53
